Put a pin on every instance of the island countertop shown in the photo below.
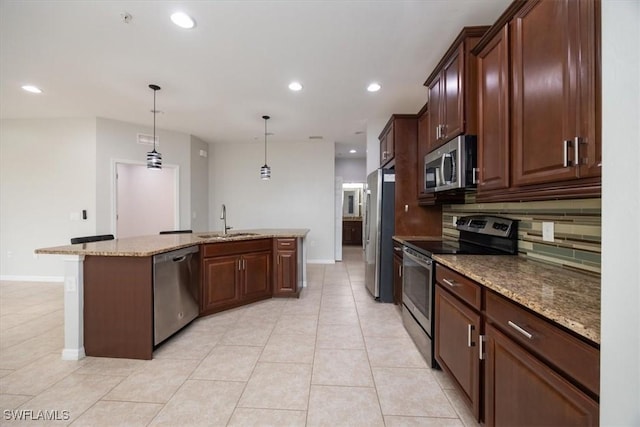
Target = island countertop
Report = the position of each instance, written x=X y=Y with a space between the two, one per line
x=142 y=246
x=571 y=299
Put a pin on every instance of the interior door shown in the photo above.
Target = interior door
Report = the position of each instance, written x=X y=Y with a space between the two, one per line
x=146 y=200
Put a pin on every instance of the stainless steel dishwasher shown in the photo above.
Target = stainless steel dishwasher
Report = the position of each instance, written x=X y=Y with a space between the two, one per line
x=175 y=291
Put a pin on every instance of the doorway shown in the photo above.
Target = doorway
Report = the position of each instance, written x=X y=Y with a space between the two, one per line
x=146 y=200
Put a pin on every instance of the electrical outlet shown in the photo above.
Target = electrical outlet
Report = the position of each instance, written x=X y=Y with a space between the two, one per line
x=455 y=220
x=547 y=231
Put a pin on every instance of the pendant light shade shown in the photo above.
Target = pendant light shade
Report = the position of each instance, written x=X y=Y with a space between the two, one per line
x=265 y=170
x=154 y=159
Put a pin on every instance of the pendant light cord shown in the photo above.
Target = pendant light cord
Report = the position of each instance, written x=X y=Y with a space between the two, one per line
x=265 y=141
x=154 y=119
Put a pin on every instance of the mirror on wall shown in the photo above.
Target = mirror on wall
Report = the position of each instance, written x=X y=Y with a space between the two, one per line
x=352 y=200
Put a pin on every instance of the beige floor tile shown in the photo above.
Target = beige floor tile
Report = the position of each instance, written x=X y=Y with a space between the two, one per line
x=461 y=407
x=252 y=334
x=251 y=417
x=225 y=318
x=200 y=403
x=129 y=414
x=309 y=307
x=397 y=421
x=39 y=375
x=445 y=381
x=345 y=316
x=155 y=383
x=327 y=407
x=296 y=324
x=193 y=344
x=382 y=327
x=5 y=372
x=278 y=386
x=394 y=353
x=228 y=363
x=337 y=301
x=12 y=401
x=31 y=329
x=340 y=336
x=29 y=351
x=289 y=349
x=412 y=392
x=111 y=366
x=341 y=367
x=76 y=393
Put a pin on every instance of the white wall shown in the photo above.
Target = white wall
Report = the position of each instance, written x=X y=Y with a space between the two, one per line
x=116 y=140
x=620 y=325
x=47 y=172
x=298 y=195
x=352 y=170
x=199 y=185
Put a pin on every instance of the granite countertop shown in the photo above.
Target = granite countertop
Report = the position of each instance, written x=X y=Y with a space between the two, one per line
x=403 y=239
x=156 y=244
x=571 y=299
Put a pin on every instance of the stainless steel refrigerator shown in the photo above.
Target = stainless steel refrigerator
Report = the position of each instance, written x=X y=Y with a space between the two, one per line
x=379 y=229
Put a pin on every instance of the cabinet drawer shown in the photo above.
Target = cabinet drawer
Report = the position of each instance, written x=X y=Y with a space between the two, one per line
x=287 y=243
x=464 y=288
x=565 y=352
x=237 y=247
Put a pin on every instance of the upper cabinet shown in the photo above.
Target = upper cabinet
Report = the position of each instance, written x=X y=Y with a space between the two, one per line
x=538 y=102
x=452 y=91
x=387 y=145
x=554 y=93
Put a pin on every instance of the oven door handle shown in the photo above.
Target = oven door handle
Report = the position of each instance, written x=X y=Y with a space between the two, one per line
x=424 y=263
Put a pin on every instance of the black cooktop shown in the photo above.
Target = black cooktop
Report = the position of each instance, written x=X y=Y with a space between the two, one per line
x=450 y=247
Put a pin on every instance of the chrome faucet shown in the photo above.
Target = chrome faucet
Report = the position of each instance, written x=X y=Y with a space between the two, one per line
x=223 y=217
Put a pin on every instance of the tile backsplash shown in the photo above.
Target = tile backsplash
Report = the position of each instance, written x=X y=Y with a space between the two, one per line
x=577 y=226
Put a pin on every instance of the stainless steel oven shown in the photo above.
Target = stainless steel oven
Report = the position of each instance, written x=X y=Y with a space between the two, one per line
x=417 y=300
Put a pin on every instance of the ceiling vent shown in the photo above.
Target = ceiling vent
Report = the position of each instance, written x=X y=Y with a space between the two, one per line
x=145 y=139
x=316 y=137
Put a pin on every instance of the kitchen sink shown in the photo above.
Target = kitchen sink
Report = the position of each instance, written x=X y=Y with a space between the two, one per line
x=218 y=236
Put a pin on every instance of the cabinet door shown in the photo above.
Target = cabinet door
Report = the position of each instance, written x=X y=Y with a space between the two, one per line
x=221 y=276
x=256 y=275
x=456 y=339
x=520 y=390
x=434 y=114
x=493 y=112
x=383 y=150
x=545 y=98
x=286 y=272
x=397 y=279
x=423 y=150
x=453 y=116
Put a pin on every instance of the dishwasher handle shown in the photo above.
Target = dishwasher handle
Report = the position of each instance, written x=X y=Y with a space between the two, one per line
x=177 y=256
x=180 y=258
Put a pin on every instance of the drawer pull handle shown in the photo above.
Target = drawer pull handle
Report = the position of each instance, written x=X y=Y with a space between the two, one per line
x=469 y=335
x=451 y=283
x=519 y=329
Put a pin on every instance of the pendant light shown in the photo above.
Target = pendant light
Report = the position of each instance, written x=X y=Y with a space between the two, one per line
x=265 y=170
x=154 y=159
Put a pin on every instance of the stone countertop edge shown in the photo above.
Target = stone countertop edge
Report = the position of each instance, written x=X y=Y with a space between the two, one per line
x=143 y=246
x=403 y=239
x=568 y=298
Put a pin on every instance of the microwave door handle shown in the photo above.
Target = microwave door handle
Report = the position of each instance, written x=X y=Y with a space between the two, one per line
x=442 y=177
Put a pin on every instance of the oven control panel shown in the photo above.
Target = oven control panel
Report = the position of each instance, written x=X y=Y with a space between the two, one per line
x=489 y=225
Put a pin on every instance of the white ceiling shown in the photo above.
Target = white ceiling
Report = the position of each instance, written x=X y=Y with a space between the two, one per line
x=221 y=77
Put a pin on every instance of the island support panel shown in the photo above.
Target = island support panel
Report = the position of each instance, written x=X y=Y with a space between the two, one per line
x=118 y=307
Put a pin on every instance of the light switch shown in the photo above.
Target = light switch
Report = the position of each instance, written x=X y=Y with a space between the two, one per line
x=547 y=231
x=70 y=284
x=455 y=221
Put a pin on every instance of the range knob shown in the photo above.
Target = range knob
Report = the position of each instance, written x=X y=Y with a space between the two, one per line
x=460 y=221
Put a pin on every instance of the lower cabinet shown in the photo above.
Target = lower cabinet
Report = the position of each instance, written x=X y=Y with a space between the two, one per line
x=286 y=281
x=521 y=390
x=397 y=273
x=456 y=337
x=235 y=273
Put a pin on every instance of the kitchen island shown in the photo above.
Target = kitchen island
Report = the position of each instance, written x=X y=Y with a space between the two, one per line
x=108 y=291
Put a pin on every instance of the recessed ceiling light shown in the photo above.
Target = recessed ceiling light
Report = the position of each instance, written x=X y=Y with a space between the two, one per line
x=32 y=89
x=295 y=86
x=352 y=151
x=183 y=20
x=373 y=87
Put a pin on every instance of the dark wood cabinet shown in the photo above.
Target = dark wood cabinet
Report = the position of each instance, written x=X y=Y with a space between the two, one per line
x=554 y=131
x=397 y=273
x=235 y=273
x=351 y=232
x=493 y=113
x=521 y=390
x=457 y=331
x=387 y=145
x=452 y=91
x=539 y=114
x=287 y=281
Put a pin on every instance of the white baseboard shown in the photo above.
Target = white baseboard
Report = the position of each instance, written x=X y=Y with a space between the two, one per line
x=321 y=261
x=73 y=354
x=10 y=278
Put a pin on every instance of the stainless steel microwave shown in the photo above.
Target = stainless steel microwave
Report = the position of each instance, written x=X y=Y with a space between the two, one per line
x=452 y=166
